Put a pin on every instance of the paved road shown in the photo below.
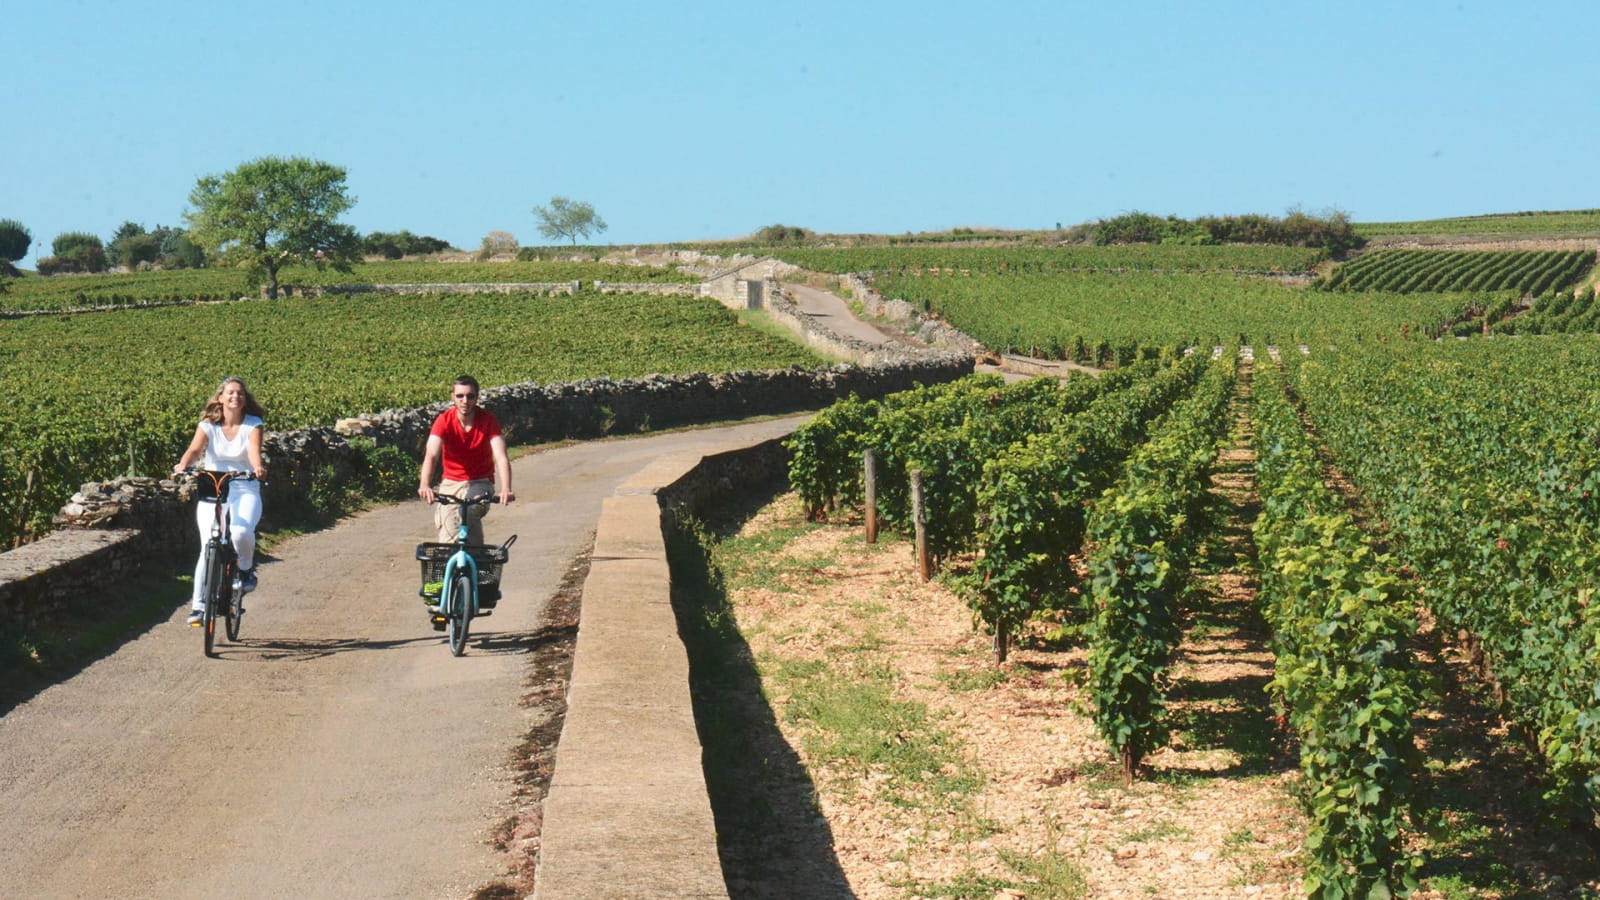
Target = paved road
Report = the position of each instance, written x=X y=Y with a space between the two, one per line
x=833 y=313
x=337 y=750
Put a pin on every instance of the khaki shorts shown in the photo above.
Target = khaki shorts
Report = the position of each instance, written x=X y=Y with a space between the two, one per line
x=448 y=518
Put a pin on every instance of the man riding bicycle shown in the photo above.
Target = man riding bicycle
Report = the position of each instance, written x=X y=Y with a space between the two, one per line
x=466 y=440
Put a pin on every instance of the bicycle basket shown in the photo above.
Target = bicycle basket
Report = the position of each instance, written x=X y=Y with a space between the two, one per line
x=489 y=559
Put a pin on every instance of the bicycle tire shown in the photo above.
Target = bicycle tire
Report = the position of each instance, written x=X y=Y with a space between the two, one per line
x=235 y=600
x=459 y=616
x=216 y=568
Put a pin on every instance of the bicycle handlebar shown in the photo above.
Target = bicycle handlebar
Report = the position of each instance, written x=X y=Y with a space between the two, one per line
x=226 y=474
x=450 y=500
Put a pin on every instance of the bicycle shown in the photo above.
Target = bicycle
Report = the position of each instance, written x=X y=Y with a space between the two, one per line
x=221 y=562
x=461 y=581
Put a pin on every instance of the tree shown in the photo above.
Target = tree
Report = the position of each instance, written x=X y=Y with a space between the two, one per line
x=177 y=251
x=132 y=245
x=565 y=218
x=497 y=243
x=75 y=251
x=15 y=239
x=782 y=234
x=274 y=212
x=394 y=245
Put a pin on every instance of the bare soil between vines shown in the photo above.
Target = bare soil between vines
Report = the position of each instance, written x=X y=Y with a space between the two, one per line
x=1046 y=814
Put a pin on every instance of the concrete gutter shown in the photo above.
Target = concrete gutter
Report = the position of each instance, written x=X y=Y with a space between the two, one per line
x=628 y=814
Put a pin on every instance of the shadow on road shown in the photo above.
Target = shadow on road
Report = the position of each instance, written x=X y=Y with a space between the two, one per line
x=493 y=643
x=84 y=630
x=772 y=837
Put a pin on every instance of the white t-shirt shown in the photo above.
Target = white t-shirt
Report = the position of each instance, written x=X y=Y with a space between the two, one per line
x=223 y=455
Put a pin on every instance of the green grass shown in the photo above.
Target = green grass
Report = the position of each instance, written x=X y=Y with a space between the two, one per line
x=1046 y=875
x=852 y=719
x=973 y=681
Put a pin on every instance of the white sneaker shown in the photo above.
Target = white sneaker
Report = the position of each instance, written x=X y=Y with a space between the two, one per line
x=197 y=615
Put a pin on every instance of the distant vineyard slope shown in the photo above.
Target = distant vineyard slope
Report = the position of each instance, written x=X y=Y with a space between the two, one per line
x=1536 y=272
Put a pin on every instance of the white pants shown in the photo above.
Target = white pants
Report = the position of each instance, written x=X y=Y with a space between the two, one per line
x=241 y=517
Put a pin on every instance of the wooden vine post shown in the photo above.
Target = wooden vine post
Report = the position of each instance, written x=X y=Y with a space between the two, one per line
x=919 y=518
x=869 y=480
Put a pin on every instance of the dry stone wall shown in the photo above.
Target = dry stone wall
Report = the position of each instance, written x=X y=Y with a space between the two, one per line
x=490 y=287
x=933 y=331
x=114 y=528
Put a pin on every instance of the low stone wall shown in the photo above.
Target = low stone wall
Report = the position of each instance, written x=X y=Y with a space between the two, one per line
x=531 y=413
x=951 y=342
x=633 y=818
x=491 y=287
x=651 y=288
x=930 y=329
x=154 y=523
x=38 y=580
x=722 y=478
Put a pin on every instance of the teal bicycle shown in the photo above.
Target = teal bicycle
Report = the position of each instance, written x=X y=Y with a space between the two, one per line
x=461 y=581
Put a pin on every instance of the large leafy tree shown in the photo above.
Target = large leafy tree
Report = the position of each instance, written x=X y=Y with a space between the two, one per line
x=565 y=218
x=274 y=212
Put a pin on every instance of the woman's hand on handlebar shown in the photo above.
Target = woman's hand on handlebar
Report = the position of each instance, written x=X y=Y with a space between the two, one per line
x=426 y=493
x=506 y=496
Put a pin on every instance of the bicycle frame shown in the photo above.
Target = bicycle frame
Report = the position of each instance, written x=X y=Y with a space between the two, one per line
x=460 y=591
x=220 y=561
x=461 y=558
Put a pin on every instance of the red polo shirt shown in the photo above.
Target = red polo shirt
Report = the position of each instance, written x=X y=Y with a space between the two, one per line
x=466 y=454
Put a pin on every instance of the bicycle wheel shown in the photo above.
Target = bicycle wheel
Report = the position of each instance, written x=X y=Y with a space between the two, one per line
x=459 y=616
x=216 y=592
x=234 y=600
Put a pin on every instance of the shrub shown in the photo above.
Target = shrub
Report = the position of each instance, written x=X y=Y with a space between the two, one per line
x=79 y=251
x=15 y=239
x=782 y=234
x=53 y=265
x=496 y=243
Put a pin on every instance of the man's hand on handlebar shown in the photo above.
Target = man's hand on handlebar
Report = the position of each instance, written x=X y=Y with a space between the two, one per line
x=431 y=496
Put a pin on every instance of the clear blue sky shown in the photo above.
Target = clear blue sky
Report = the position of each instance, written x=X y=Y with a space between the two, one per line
x=695 y=120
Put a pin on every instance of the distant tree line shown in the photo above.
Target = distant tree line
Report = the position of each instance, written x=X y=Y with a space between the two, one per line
x=1331 y=231
x=264 y=215
x=782 y=234
x=397 y=244
x=133 y=247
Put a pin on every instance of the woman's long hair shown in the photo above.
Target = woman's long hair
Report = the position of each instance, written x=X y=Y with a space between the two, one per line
x=213 y=411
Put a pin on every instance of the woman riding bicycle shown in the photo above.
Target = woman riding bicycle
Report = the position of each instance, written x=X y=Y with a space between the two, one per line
x=228 y=439
x=466 y=438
